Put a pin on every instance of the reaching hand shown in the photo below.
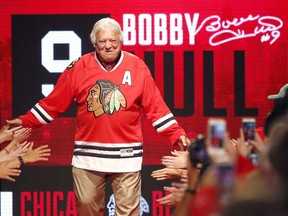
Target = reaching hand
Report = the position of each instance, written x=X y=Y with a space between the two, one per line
x=14 y=122
x=242 y=148
x=176 y=193
x=177 y=161
x=20 y=135
x=40 y=153
x=6 y=134
x=230 y=147
x=168 y=200
x=15 y=152
x=258 y=143
x=166 y=173
x=20 y=149
x=183 y=143
x=7 y=171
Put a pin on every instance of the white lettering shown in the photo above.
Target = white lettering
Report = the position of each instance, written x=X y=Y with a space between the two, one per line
x=191 y=26
x=176 y=32
x=127 y=78
x=47 y=49
x=222 y=31
x=47 y=89
x=129 y=29
x=160 y=29
x=6 y=203
x=145 y=26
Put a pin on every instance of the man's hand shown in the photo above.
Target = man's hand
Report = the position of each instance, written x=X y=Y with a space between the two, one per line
x=183 y=143
x=14 y=122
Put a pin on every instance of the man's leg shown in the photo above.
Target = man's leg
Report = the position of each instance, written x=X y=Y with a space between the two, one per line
x=89 y=187
x=127 y=190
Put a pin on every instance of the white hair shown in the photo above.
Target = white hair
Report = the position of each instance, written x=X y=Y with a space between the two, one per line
x=101 y=24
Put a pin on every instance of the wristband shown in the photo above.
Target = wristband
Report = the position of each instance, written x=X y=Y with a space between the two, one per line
x=20 y=158
x=6 y=150
x=190 y=191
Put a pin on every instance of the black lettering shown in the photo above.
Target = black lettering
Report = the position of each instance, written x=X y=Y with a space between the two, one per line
x=149 y=60
x=169 y=87
x=208 y=85
x=239 y=86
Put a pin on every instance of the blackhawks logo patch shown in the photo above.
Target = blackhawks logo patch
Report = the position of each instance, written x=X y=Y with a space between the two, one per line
x=72 y=63
x=105 y=97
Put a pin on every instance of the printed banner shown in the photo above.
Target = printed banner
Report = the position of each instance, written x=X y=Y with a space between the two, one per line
x=209 y=59
x=48 y=191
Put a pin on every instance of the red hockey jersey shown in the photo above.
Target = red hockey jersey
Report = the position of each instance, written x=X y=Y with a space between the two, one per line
x=110 y=105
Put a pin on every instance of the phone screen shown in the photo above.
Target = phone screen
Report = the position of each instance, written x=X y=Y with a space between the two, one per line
x=248 y=126
x=249 y=130
x=217 y=133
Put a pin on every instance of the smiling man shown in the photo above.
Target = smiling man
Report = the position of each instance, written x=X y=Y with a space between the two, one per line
x=112 y=89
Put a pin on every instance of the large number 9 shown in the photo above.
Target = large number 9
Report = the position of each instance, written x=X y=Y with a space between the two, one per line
x=47 y=53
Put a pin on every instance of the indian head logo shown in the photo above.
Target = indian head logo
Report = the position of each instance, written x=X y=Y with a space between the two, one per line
x=144 y=206
x=105 y=97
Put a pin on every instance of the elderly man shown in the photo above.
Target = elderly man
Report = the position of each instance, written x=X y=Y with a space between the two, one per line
x=112 y=89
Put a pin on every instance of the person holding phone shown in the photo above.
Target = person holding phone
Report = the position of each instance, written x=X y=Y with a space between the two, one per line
x=265 y=192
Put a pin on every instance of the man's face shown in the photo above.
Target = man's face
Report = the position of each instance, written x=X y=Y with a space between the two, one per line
x=108 y=45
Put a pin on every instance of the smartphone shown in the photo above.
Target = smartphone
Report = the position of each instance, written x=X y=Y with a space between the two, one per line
x=225 y=176
x=216 y=133
x=249 y=128
x=198 y=153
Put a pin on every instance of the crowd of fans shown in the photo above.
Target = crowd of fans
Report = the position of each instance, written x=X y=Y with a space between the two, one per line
x=203 y=186
x=240 y=184
x=18 y=151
